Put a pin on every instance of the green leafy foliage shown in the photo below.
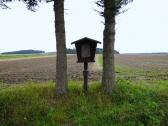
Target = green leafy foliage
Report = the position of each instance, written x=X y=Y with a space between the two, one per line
x=116 y=6
x=130 y=104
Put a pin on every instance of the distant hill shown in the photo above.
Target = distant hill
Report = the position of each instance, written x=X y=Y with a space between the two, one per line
x=25 y=52
x=98 y=51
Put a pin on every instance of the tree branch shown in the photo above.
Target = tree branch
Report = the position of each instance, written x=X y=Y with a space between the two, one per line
x=4 y=6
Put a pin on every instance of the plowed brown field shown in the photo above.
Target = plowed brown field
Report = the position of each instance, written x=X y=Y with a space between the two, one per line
x=40 y=69
x=43 y=69
x=146 y=62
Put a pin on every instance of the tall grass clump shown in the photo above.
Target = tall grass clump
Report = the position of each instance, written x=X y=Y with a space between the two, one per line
x=130 y=104
x=25 y=105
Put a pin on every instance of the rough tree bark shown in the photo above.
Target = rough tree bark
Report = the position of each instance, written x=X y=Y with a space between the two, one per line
x=61 y=60
x=108 y=77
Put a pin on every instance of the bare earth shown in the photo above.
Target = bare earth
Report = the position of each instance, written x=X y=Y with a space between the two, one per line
x=146 y=62
x=43 y=69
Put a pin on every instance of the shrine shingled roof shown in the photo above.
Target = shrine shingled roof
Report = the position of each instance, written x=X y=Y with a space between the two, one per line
x=85 y=39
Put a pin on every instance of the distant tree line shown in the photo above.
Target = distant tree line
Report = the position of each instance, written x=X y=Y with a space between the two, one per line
x=98 y=51
x=71 y=51
x=25 y=52
x=68 y=51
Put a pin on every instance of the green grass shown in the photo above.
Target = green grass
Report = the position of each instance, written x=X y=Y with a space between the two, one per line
x=19 y=56
x=100 y=59
x=130 y=104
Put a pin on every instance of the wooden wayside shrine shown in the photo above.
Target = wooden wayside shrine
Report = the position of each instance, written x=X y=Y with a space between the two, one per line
x=86 y=49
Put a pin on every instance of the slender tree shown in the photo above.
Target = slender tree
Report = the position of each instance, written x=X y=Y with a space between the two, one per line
x=61 y=60
x=111 y=8
x=61 y=66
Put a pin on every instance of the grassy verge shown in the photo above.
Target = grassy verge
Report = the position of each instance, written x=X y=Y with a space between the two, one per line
x=129 y=105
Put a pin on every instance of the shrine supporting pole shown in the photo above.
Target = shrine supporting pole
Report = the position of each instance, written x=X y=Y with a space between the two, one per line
x=85 y=75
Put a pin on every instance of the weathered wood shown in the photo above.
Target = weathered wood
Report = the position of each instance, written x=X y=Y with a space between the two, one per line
x=86 y=49
x=85 y=75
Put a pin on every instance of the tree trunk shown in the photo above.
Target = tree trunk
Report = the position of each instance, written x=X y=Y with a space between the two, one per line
x=108 y=77
x=61 y=60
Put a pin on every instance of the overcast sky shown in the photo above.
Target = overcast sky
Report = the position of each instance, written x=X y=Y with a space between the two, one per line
x=143 y=28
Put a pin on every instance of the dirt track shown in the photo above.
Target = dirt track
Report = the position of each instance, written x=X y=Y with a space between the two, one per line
x=42 y=69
